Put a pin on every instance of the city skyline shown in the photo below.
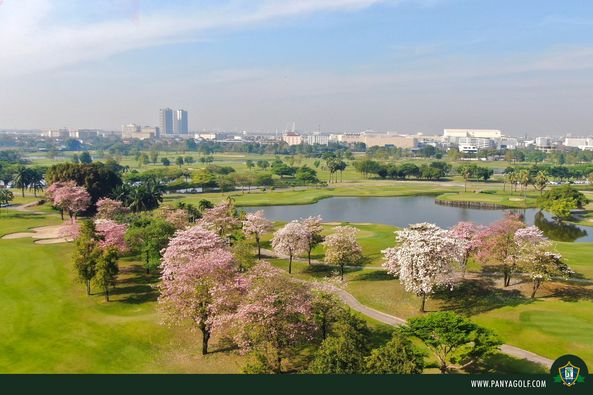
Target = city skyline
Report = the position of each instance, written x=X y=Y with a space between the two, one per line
x=336 y=65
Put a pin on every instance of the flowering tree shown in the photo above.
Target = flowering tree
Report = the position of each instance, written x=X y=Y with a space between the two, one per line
x=179 y=218
x=466 y=233
x=291 y=240
x=424 y=259
x=273 y=318
x=221 y=219
x=536 y=258
x=256 y=224
x=496 y=245
x=112 y=235
x=342 y=248
x=110 y=209
x=194 y=263
x=314 y=229
x=69 y=197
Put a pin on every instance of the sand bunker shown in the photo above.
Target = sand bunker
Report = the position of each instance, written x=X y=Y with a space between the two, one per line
x=44 y=235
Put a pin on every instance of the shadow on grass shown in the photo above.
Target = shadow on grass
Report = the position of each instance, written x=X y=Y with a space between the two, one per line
x=477 y=296
x=375 y=275
x=137 y=286
x=573 y=293
x=505 y=364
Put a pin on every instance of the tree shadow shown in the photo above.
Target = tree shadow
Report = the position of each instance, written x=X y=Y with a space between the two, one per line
x=505 y=364
x=375 y=275
x=474 y=296
x=572 y=293
x=137 y=286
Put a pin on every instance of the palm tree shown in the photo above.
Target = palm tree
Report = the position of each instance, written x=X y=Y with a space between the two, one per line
x=22 y=178
x=36 y=181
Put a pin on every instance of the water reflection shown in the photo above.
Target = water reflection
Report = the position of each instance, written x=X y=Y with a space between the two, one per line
x=557 y=230
x=402 y=211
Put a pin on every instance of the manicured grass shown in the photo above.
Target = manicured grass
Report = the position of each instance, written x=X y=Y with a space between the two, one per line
x=579 y=256
x=13 y=221
x=515 y=200
x=313 y=195
x=49 y=325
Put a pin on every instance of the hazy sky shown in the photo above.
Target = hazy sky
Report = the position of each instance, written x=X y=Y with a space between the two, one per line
x=342 y=65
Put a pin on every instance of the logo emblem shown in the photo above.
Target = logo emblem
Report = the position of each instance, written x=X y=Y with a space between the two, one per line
x=569 y=370
x=569 y=374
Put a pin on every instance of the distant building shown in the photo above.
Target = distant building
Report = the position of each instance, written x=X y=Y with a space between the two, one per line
x=480 y=133
x=206 y=136
x=166 y=121
x=83 y=133
x=58 y=133
x=468 y=148
x=181 y=122
x=134 y=131
x=316 y=138
x=477 y=142
x=372 y=139
x=508 y=143
x=584 y=143
x=292 y=138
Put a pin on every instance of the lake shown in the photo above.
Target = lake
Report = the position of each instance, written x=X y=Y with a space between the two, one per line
x=405 y=210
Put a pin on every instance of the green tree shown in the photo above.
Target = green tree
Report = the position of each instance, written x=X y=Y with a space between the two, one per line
x=86 y=253
x=344 y=352
x=398 y=356
x=179 y=161
x=561 y=200
x=154 y=156
x=540 y=181
x=6 y=197
x=85 y=157
x=446 y=332
x=22 y=178
x=106 y=271
x=165 y=161
x=149 y=237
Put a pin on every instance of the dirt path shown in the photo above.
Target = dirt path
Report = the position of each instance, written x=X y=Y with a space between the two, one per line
x=388 y=319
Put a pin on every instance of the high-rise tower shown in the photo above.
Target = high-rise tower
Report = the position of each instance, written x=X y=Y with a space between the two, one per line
x=166 y=121
x=181 y=123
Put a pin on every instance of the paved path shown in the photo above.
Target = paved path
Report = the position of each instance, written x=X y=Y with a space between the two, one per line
x=388 y=319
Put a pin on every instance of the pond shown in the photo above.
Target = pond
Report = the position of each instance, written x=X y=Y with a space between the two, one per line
x=402 y=211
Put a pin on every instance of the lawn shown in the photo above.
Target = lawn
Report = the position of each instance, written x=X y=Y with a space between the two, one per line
x=313 y=195
x=579 y=256
x=495 y=197
x=49 y=325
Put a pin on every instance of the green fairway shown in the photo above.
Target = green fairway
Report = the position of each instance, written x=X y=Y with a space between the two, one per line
x=49 y=324
x=495 y=197
x=579 y=256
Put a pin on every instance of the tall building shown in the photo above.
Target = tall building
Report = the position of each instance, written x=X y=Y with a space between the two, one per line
x=292 y=138
x=166 y=121
x=181 y=124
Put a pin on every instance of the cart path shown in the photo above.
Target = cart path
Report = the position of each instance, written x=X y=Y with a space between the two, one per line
x=392 y=320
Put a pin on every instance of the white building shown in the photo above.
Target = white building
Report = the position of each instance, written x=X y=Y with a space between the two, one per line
x=58 y=133
x=135 y=131
x=579 y=142
x=468 y=148
x=478 y=142
x=206 y=136
x=478 y=133
x=292 y=138
x=316 y=139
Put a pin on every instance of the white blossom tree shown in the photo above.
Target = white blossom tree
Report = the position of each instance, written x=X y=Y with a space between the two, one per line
x=424 y=259
x=537 y=259
x=342 y=248
x=314 y=228
x=291 y=240
x=257 y=224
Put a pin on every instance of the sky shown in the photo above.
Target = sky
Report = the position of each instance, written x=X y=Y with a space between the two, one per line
x=410 y=66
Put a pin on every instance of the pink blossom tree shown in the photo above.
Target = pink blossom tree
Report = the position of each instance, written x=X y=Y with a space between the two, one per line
x=195 y=262
x=423 y=259
x=342 y=248
x=110 y=209
x=466 y=234
x=179 y=218
x=274 y=317
x=314 y=229
x=112 y=235
x=69 y=197
x=291 y=240
x=496 y=245
x=221 y=219
x=256 y=224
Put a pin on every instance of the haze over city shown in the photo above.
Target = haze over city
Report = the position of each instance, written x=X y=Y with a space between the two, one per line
x=334 y=65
